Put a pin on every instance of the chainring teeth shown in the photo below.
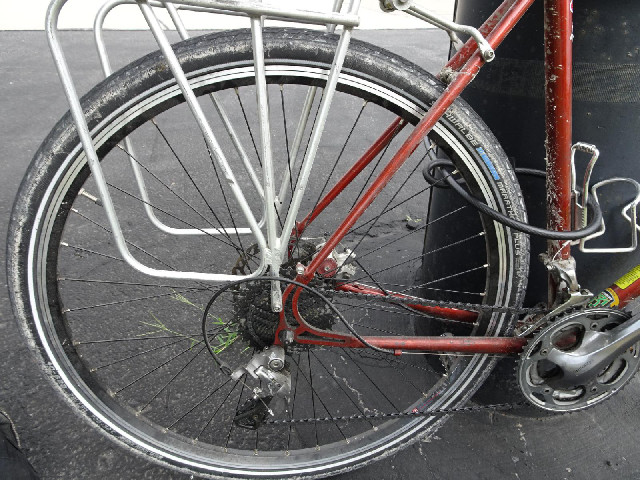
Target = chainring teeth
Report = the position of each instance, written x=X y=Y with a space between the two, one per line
x=536 y=373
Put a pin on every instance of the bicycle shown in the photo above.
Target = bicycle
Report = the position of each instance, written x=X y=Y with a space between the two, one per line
x=310 y=359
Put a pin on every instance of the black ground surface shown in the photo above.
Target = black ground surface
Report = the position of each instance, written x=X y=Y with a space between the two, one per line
x=601 y=443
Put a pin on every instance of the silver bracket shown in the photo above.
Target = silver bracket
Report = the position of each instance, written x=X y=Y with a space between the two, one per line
x=628 y=213
x=563 y=272
x=581 y=196
x=268 y=366
x=487 y=52
x=569 y=293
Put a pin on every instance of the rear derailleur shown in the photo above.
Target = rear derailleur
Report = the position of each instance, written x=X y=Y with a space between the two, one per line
x=270 y=368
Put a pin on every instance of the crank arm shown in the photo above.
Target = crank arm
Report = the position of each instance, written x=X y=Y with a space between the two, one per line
x=596 y=352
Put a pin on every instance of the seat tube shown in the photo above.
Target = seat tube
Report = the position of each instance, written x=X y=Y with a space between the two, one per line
x=558 y=38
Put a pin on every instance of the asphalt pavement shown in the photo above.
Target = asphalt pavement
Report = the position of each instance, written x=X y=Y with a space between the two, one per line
x=600 y=443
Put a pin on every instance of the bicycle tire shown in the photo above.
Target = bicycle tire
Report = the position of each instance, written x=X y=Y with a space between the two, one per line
x=41 y=223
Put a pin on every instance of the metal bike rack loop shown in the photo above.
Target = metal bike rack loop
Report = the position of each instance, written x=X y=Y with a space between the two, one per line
x=272 y=247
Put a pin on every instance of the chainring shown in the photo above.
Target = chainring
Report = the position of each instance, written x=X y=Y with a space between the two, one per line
x=537 y=375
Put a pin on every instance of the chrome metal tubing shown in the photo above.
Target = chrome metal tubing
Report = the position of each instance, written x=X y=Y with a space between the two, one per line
x=629 y=213
x=184 y=35
x=316 y=134
x=297 y=141
x=51 y=27
x=267 y=158
x=487 y=52
x=129 y=149
x=302 y=123
x=264 y=10
x=212 y=143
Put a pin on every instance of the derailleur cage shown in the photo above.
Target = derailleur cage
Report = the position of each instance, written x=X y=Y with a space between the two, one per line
x=254 y=412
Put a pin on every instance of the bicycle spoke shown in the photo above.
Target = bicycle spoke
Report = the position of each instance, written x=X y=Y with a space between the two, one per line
x=207 y=397
x=335 y=164
x=224 y=401
x=232 y=425
x=246 y=121
x=226 y=202
x=335 y=380
x=136 y=339
x=121 y=302
x=324 y=406
x=145 y=352
x=164 y=387
x=384 y=395
x=131 y=195
x=313 y=402
x=187 y=204
x=412 y=232
x=289 y=167
x=293 y=406
x=414 y=259
x=186 y=171
x=156 y=368
x=133 y=284
x=93 y=252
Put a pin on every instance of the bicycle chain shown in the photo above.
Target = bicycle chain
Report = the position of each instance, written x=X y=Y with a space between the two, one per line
x=412 y=414
x=428 y=303
x=376 y=416
x=437 y=303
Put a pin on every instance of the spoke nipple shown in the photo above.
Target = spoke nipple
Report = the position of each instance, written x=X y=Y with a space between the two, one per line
x=165 y=430
x=64 y=244
x=287 y=453
x=92 y=370
x=375 y=429
x=255 y=452
x=347 y=440
x=66 y=310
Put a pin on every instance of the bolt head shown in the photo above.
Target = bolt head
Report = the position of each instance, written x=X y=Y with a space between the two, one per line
x=276 y=364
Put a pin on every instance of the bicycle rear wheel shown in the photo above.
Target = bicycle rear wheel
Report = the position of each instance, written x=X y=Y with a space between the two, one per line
x=127 y=348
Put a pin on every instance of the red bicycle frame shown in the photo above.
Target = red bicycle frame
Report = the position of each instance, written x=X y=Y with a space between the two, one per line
x=465 y=65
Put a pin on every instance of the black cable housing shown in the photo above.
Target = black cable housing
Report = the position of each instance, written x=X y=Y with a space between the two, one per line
x=591 y=228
